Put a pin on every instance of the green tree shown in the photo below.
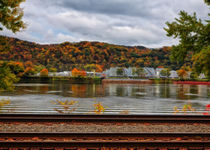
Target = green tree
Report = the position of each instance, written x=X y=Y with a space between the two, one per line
x=90 y=67
x=120 y=71
x=193 y=75
x=165 y=72
x=194 y=40
x=140 y=72
x=7 y=78
x=207 y=2
x=201 y=61
x=10 y=17
x=38 y=68
x=52 y=69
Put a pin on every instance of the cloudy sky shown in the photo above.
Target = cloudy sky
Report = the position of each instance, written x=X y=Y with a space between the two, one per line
x=124 y=22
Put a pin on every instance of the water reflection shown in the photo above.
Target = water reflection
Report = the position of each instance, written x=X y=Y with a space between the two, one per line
x=132 y=98
x=180 y=91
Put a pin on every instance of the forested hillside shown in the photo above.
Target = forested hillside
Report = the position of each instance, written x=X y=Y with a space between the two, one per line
x=66 y=56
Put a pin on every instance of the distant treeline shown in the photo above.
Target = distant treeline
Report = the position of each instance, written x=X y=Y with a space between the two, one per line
x=66 y=56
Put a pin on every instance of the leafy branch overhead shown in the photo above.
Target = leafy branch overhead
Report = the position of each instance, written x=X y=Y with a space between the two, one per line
x=194 y=40
x=11 y=15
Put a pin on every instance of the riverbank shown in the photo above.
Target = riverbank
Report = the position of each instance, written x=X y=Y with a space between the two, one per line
x=192 y=82
x=95 y=80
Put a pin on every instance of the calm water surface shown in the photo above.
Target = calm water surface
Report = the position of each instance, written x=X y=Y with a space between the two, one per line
x=118 y=98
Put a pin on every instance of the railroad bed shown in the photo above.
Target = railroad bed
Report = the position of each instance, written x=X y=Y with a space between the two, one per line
x=172 y=132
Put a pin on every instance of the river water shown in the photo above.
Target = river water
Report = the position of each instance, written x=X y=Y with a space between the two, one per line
x=40 y=98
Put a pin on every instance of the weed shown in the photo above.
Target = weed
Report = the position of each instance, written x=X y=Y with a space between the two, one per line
x=67 y=106
x=99 y=108
x=4 y=102
x=186 y=108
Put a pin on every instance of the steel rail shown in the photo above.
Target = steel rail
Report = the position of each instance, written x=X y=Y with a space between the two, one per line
x=105 y=118
x=115 y=144
x=126 y=142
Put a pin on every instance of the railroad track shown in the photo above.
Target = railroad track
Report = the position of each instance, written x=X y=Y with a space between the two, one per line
x=105 y=118
x=89 y=141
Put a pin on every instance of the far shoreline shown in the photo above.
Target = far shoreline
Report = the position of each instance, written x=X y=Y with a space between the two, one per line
x=89 y=80
x=155 y=81
x=128 y=81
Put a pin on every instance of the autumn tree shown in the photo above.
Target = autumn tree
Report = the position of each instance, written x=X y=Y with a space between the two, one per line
x=99 y=68
x=17 y=68
x=11 y=18
x=29 y=64
x=38 y=68
x=29 y=71
x=194 y=40
x=83 y=73
x=75 y=72
x=44 y=72
x=78 y=73
x=182 y=73
x=11 y=15
x=4 y=45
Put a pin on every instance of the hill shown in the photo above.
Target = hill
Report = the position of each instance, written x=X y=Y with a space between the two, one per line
x=66 y=56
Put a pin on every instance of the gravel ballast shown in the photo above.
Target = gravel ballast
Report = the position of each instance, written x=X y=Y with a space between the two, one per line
x=105 y=127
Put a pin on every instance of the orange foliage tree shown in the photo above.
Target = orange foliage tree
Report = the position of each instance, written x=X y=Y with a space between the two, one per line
x=99 y=68
x=44 y=72
x=28 y=64
x=29 y=71
x=182 y=73
x=16 y=67
x=78 y=73
x=75 y=72
x=83 y=73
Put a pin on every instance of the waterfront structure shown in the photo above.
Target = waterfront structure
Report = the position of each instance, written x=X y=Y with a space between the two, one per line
x=158 y=74
x=173 y=74
x=149 y=72
x=202 y=76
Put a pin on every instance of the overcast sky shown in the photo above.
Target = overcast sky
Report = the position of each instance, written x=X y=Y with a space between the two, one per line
x=124 y=22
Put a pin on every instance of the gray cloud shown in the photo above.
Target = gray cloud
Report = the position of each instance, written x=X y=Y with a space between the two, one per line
x=125 y=22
